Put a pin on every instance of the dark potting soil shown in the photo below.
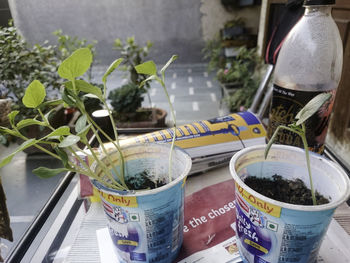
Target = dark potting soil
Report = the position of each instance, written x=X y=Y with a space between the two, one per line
x=141 y=181
x=284 y=190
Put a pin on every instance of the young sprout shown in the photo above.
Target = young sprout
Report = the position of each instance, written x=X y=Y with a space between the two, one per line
x=149 y=68
x=298 y=127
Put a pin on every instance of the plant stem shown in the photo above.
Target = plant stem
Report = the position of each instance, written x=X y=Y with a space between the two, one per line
x=174 y=128
x=109 y=139
x=306 y=147
x=114 y=127
x=88 y=168
x=76 y=168
x=101 y=164
x=92 y=175
x=45 y=120
x=74 y=87
x=37 y=145
x=94 y=125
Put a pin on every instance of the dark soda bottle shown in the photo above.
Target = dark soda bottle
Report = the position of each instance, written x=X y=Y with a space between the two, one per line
x=309 y=63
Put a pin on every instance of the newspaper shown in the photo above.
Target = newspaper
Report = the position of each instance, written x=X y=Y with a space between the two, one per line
x=208 y=225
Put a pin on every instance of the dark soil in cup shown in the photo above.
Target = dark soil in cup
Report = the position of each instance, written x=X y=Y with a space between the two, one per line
x=284 y=190
x=141 y=181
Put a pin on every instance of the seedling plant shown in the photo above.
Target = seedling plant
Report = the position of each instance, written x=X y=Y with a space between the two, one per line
x=62 y=141
x=298 y=127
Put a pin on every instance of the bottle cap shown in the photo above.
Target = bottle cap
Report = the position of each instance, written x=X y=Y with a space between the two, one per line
x=319 y=2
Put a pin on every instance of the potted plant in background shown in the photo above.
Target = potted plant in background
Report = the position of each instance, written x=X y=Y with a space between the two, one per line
x=234 y=34
x=239 y=68
x=126 y=191
x=127 y=99
x=127 y=111
x=284 y=204
x=214 y=53
x=240 y=79
x=242 y=98
x=21 y=63
x=233 y=29
x=132 y=55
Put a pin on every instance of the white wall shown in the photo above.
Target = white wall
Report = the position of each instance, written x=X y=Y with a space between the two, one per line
x=175 y=26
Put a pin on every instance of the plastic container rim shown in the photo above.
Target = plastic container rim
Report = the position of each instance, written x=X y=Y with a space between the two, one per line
x=144 y=192
x=332 y=204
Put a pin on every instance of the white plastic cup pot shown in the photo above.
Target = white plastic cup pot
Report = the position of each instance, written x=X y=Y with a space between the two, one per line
x=147 y=225
x=271 y=231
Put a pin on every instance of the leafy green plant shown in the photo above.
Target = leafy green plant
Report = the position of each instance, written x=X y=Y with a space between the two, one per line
x=213 y=51
x=133 y=54
x=61 y=139
x=68 y=44
x=241 y=67
x=244 y=75
x=126 y=99
x=21 y=63
x=149 y=69
x=298 y=127
x=242 y=98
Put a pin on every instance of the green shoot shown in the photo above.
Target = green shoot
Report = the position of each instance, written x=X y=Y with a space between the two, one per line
x=149 y=68
x=298 y=127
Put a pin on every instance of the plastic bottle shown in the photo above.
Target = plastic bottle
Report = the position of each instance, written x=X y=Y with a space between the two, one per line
x=310 y=62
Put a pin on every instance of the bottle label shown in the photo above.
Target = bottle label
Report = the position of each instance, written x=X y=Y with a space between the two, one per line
x=286 y=104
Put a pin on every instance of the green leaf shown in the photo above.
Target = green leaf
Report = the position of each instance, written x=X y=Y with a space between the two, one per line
x=69 y=141
x=28 y=122
x=63 y=155
x=23 y=146
x=83 y=133
x=61 y=131
x=312 y=107
x=111 y=68
x=82 y=85
x=12 y=116
x=44 y=172
x=172 y=59
x=76 y=64
x=148 y=68
x=81 y=123
x=34 y=94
